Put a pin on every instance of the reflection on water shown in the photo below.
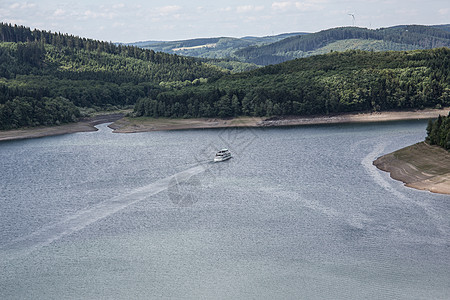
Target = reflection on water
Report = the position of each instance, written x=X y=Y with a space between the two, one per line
x=297 y=213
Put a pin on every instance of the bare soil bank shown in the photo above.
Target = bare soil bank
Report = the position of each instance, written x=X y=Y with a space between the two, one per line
x=84 y=125
x=130 y=125
x=127 y=125
x=419 y=166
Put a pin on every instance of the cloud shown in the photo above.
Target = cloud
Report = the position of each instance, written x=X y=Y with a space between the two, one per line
x=412 y=12
x=226 y=9
x=119 y=5
x=249 y=8
x=59 y=12
x=257 y=18
x=118 y=24
x=444 y=11
x=14 y=21
x=89 y=14
x=307 y=5
x=281 y=5
x=25 y=5
x=14 y=6
x=166 y=10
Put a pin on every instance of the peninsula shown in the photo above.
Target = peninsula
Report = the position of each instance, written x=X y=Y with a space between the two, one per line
x=419 y=166
x=426 y=165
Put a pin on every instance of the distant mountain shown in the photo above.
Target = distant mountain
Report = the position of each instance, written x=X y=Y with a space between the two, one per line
x=276 y=49
x=345 y=38
x=272 y=39
x=443 y=27
x=220 y=47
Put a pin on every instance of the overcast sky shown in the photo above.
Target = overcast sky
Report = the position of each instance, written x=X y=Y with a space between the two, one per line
x=141 y=20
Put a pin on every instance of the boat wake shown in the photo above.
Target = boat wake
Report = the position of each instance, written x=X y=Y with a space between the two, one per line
x=25 y=245
x=376 y=175
x=367 y=163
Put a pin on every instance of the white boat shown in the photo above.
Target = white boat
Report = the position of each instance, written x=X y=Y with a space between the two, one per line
x=222 y=155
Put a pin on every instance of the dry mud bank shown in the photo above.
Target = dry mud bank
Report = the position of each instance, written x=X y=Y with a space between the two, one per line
x=419 y=166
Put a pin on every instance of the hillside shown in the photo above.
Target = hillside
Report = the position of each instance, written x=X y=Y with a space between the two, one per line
x=445 y=27
x=398 y=38
x=46 y=77
x=337 y=82
x=216 y=51
x=221 y=47
x=280 y=48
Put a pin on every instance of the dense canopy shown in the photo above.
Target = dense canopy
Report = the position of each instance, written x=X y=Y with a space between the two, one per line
x=324 y=84
x=45 y=77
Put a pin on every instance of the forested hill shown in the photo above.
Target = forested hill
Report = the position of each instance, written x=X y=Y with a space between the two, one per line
x=337 y=82
x=279 y=48
x=216 y=48
x=45 y=77
x=394 y=38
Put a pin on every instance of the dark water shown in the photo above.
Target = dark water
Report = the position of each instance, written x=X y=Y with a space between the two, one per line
x=298 y=213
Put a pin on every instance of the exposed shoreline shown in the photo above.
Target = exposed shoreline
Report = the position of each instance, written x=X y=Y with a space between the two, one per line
x=84 y=125
x=419 y=166
x=128 y=125
x=123 y=124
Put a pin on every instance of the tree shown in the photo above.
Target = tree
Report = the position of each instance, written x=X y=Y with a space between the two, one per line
x=223 y=107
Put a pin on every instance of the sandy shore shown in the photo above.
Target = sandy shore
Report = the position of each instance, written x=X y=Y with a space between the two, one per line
x=128 y=125
x=419 y=166
x=85 y=125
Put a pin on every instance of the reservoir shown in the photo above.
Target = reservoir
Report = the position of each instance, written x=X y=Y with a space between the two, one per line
x=297 y=213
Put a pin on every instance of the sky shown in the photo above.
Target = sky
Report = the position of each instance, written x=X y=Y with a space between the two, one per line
x=166 y=20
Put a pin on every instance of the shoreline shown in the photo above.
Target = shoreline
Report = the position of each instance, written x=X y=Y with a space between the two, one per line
x=419 y=166
x=128 y=125
x=84 y=125
x=121 y=124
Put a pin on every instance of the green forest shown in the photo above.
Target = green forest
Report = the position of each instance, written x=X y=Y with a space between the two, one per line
x=45 y=78
x=393 y=38
x=262 y=51
x=337 y=82
x=438 y=132
x=49 y=78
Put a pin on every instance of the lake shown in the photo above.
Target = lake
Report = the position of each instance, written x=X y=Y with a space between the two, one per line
x=297 y=213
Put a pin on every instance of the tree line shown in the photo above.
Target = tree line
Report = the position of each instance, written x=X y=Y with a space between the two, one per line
x=39 y=67
x=27 y=112
x=326 y=84
x=22 y=34
x=438 y=132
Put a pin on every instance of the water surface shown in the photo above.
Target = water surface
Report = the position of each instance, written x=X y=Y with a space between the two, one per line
x=298 y=213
